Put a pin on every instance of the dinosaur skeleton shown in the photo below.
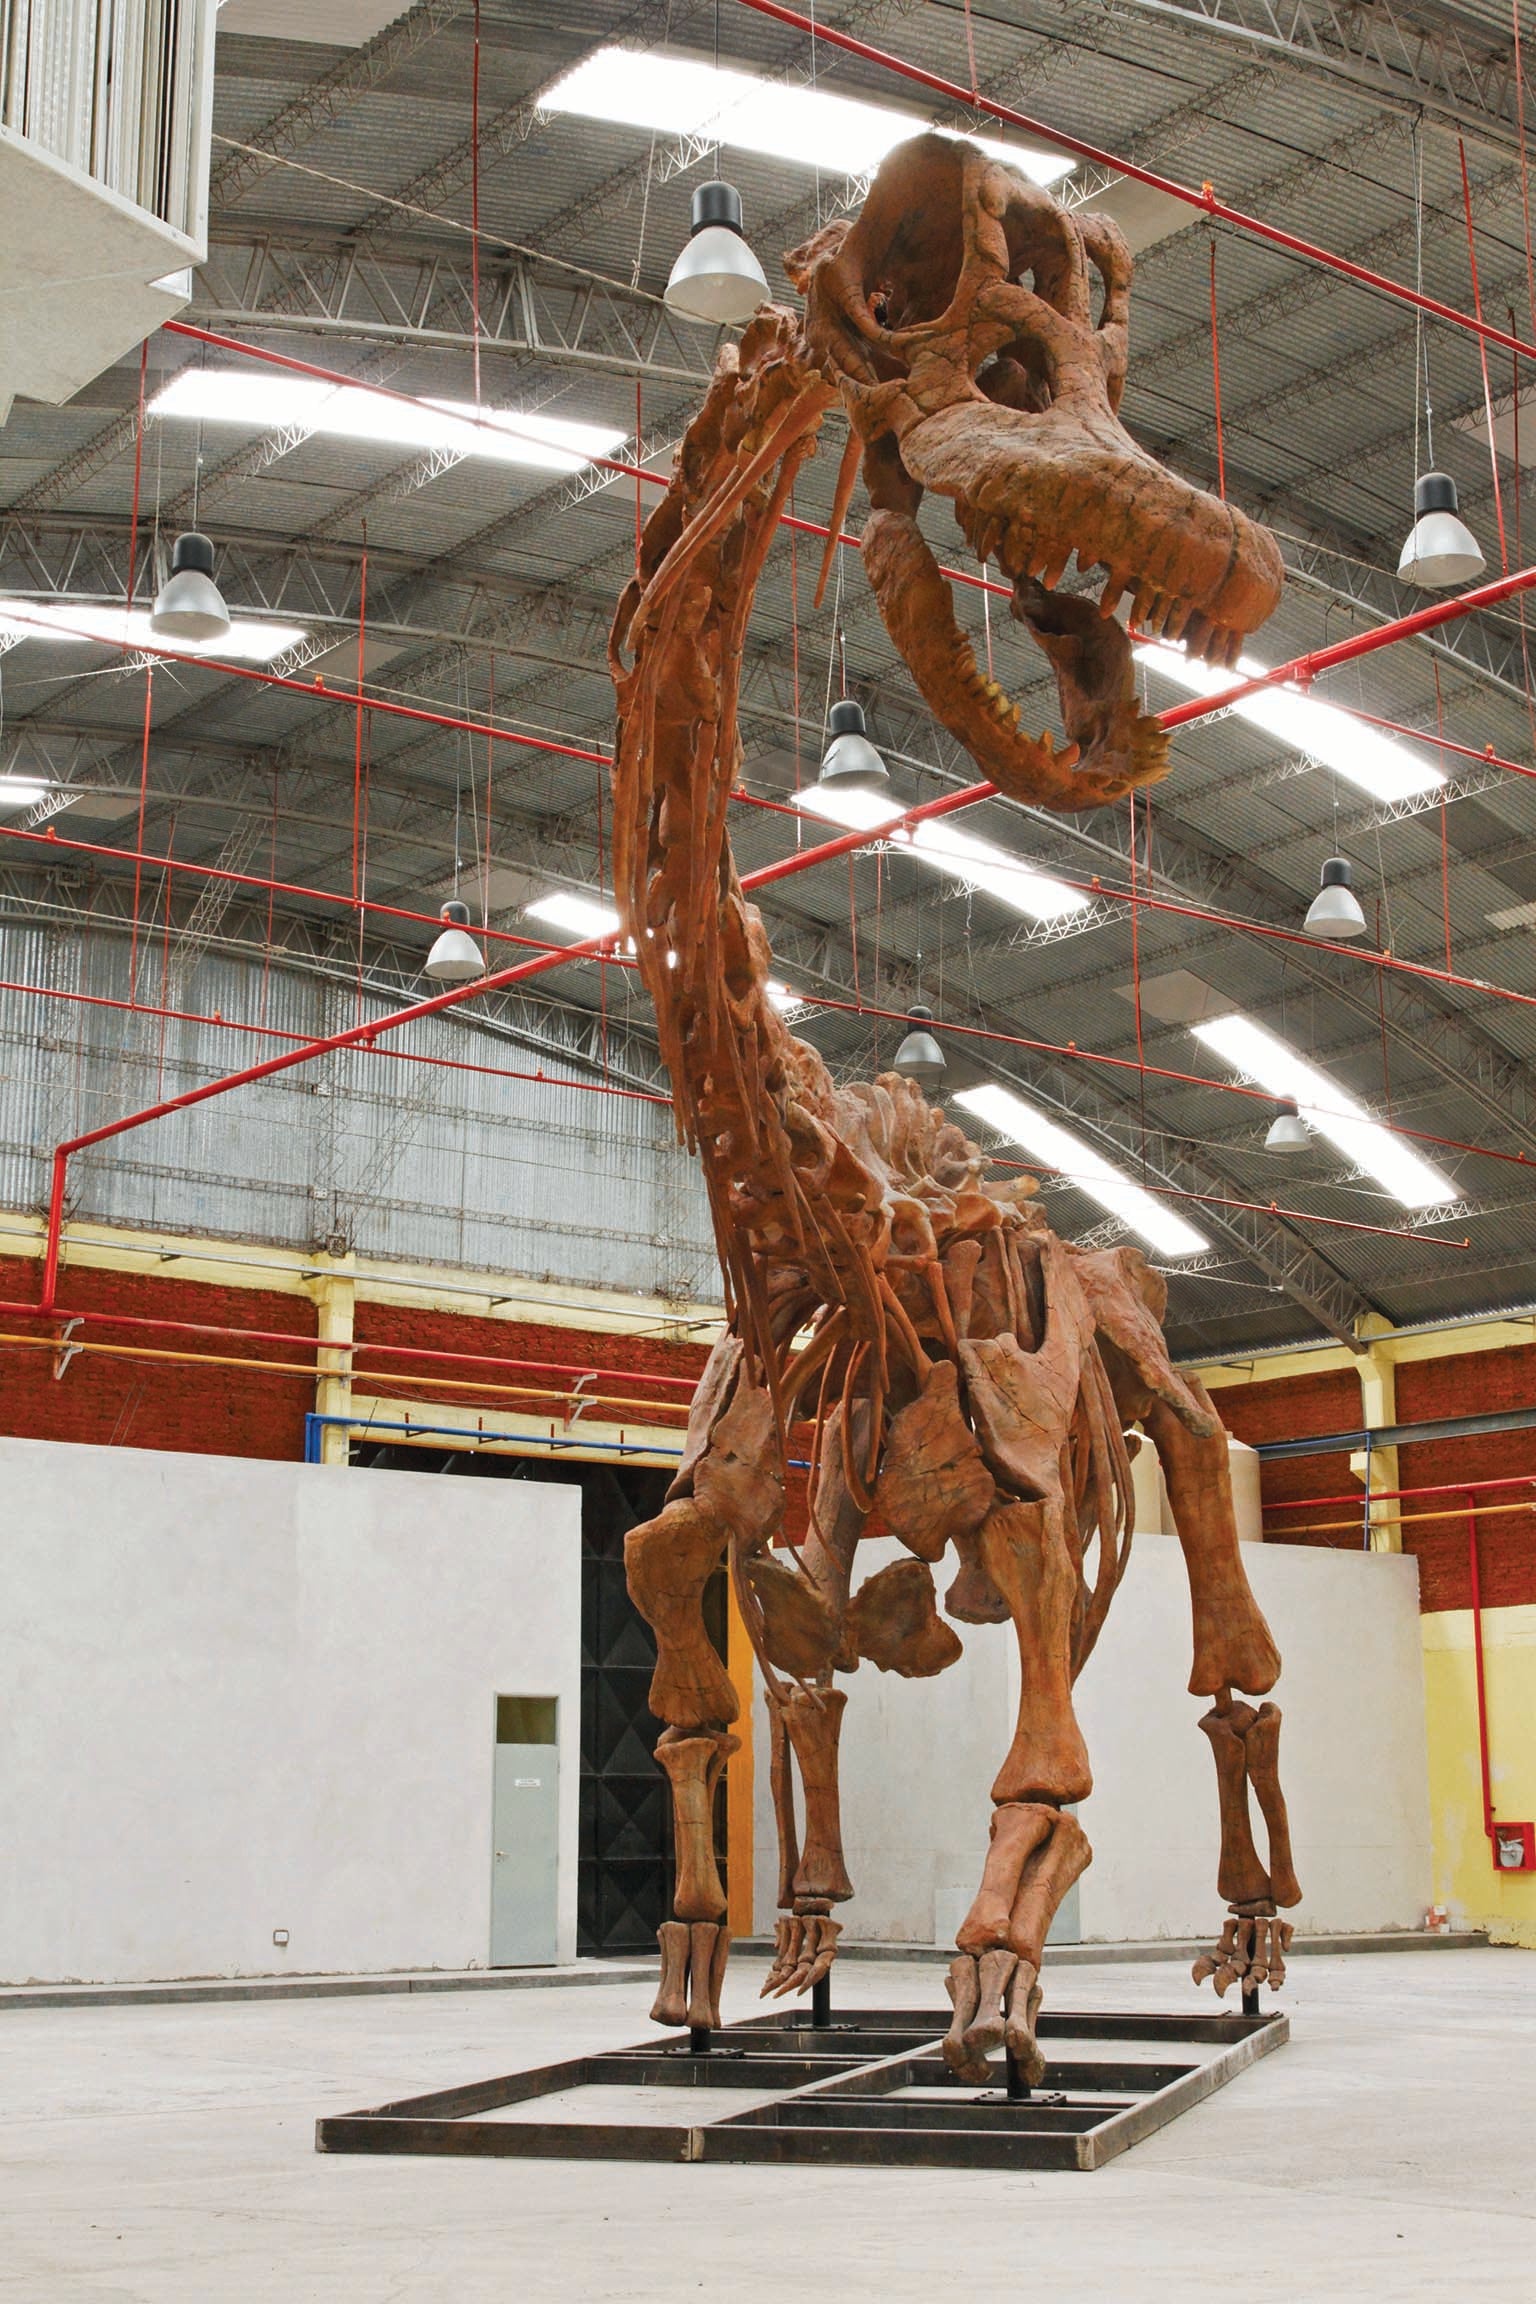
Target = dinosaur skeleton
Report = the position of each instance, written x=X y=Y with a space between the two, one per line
x=969 y=1380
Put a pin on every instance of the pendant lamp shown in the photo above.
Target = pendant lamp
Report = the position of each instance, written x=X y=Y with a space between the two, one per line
x=716 y=280
x=189 y=605
x=1335 y=912
x=1287 y=1130
x=920 y=1058
x=850 y=761
x=1441 y=551
x=455 y=958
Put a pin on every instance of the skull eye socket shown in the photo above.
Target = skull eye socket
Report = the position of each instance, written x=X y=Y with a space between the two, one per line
x=1016 y=378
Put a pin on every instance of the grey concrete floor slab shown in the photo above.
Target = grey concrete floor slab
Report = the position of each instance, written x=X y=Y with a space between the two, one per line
x=164 y=2155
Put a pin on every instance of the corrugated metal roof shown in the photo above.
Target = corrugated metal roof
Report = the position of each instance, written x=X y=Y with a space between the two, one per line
x=490 y=575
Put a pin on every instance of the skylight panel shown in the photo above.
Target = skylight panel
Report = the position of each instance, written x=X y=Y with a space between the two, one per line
x=960 y=856
x=1378 y=764
x=1379 y=1152
x=1044 y=1139
x=250 y=639
x=808 y=127
x=1022 y=887
x=262 y=402
x=583 y=915
x=780 y=996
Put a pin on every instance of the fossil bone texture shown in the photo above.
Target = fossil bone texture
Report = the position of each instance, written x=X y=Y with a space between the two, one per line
x=961 y=1379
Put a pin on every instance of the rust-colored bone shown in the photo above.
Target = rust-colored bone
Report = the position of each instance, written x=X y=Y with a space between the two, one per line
x=894 y=1620
x=814 y=1723
x=1241 y=1877
x=957 y=1376
x=693 y=1764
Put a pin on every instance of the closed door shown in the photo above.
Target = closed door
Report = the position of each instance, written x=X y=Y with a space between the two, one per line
x=525 y=1865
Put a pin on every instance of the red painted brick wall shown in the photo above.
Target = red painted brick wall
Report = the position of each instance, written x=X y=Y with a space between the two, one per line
x=1461 y=1384
x=139 y=1402
x=632 y=1357
x=143 y=1403
x=1296 y=1408
x=1471 y=1384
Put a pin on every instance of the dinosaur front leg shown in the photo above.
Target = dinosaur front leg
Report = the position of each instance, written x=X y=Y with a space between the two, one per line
x=813 y=1876
x=1036 y=1850
x=730 y=1489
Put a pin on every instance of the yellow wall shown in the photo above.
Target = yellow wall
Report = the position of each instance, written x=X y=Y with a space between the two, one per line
x=1475 y=1895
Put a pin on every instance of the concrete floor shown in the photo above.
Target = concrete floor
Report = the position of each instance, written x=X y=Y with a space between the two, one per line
x=150 y=2155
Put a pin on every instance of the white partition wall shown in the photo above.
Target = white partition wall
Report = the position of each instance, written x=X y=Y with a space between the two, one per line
x=919 y=1757
x=245 y=1697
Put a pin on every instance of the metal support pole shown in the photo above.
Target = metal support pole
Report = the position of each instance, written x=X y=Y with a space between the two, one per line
x=1018 y=2086
x=1250 y=2000
x=699 y=2037
x=821 y=2004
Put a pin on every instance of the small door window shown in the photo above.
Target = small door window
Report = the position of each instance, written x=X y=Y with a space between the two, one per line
x=525 y=1719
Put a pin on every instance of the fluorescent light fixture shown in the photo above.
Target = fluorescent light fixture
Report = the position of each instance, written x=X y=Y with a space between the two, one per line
x=261 y=402
x=786 y=120
x=1329 y=1109
x=780 y=996
x=22 y=792
x=583 y=915
x=1161 y=1227
x=251 y=639
x=1378 y=764
x=960 y=856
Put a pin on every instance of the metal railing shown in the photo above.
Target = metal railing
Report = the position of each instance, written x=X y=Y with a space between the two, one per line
x=118 y=89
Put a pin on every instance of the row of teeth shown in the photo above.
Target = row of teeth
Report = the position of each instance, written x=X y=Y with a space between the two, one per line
x=1154 y=615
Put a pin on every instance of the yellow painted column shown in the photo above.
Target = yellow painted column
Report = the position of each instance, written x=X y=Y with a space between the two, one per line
x=335 y=1295
x=1475 y=1892
x=1377 y=1467
x=740 y=1772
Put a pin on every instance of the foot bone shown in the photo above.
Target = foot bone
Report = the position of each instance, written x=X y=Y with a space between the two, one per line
x=805 y=1946
x=693 y=1962
x=1251 y=1952
x=996 y=2000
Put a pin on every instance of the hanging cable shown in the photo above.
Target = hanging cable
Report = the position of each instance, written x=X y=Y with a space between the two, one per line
x=474 y=200
x=138 y=868
x=1482 y=353
x=1445 y=836
x=138 y=468
x=1525 y=181
x=1221 y=454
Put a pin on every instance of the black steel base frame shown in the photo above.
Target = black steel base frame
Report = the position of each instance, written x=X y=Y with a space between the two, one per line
x=867 y=2088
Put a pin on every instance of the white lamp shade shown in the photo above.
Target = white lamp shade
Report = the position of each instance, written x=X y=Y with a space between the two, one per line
x=189 y=605
x=716 y=280
x=455 y=958
x=1287 y=1130
x=920 y=1058
x=1441 y=550
x=850 y=759
x=1335 y=913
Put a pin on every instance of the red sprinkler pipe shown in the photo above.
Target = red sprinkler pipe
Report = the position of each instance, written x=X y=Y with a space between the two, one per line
x=1204 y=200
x=1389 y=1495
x=1301 y=668
x=1483 y=1753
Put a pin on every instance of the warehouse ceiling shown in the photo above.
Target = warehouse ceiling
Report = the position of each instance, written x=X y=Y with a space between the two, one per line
x=344 y=188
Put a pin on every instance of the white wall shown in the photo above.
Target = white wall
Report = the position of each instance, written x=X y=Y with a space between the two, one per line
x=919 y=1757
x=241 y=1696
